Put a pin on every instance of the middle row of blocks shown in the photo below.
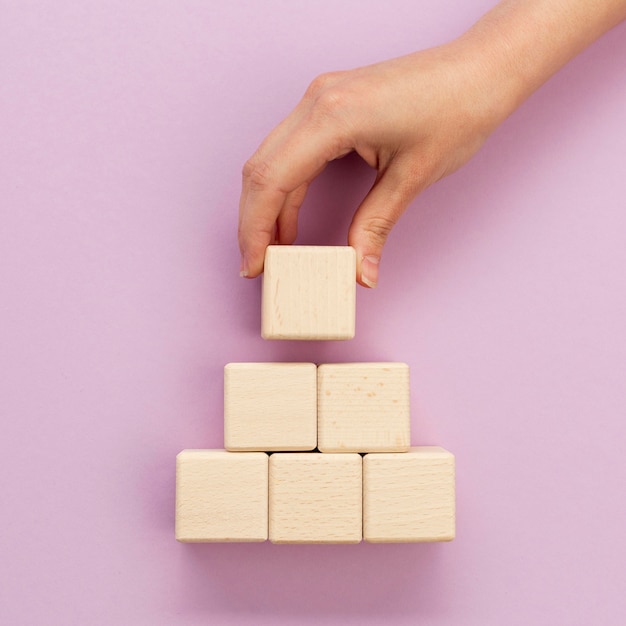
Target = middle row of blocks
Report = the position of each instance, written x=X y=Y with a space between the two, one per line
x=338 y=407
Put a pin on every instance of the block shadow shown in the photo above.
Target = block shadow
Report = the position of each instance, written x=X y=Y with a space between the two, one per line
x=325 y=580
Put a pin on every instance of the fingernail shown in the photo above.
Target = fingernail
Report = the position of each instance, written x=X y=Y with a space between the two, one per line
x=243 y=268
x=369 y=271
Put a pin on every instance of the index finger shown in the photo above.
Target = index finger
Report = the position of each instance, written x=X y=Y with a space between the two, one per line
x=271 y=177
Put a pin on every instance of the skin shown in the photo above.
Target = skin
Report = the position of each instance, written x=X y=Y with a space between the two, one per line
x=415 y=119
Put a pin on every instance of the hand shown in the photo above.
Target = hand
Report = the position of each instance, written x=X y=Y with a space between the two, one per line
x=415 y=119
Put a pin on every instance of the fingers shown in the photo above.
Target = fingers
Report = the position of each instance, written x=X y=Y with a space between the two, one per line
x=262 y=233
x=377 y=215
x=287 y=226
x=275 y=184
x=276 y=178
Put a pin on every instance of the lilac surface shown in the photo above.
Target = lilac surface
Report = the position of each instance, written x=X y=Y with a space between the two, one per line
x=124 y=128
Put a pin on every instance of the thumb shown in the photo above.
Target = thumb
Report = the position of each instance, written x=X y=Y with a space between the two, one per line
x=373 y=221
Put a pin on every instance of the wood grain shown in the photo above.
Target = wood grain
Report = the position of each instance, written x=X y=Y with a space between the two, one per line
x=270 y=406
x=221 y=496
x=363 y=407
x=409 y=496
x=309 y=292
x=315 y=498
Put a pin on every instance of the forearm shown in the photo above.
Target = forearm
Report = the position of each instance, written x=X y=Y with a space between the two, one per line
x=522 y=43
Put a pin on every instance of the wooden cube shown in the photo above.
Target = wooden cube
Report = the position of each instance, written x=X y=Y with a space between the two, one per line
x=270 y=406
x=309 y=292
x=363 y=407
x=409 y=496
x=315 y=498
x=221 y=496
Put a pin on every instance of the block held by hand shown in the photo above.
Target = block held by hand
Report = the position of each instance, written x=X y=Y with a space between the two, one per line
x=309 y=292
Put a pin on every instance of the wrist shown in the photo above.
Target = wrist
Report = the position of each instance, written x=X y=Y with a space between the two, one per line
x=520 y=44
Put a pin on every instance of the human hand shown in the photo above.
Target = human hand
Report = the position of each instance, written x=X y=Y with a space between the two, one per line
x=415 y=119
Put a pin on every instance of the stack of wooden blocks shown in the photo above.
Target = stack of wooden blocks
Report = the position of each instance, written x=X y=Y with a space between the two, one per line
x=315 y=454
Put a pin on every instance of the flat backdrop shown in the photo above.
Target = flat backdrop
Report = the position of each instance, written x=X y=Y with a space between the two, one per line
x=123 y=129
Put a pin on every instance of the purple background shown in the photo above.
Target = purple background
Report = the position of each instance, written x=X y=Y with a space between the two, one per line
x=124 y=129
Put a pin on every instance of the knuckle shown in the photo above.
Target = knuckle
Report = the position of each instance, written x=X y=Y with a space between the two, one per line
x=331 y=112
x=377 y=230
x=330 y=101
x=320 y=83
x=327 y=95
x=258 y=174
x=248 y=168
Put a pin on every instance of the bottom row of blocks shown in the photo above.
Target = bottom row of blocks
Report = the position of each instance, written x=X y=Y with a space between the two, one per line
x=310 y=497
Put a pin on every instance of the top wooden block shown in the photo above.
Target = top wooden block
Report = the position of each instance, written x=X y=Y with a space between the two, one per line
x=309 y=292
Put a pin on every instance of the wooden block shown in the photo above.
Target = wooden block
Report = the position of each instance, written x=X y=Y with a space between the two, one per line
x=270 y=406
x=409 y=496
x=315 y=498
x=309 y=292
x=363 y=407
x=221 y=496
